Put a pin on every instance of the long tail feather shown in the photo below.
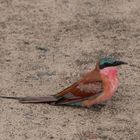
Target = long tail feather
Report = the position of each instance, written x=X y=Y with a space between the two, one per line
x=47 y=99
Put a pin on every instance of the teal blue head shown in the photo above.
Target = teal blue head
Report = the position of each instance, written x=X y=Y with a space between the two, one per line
x=109 y=62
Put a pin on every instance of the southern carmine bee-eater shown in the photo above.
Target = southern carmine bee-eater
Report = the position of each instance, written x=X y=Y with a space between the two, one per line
x=93 y=88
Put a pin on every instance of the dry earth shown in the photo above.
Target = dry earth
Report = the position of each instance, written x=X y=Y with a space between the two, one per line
x=46 y=45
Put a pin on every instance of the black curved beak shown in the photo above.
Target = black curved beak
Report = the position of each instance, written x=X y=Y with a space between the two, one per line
x=120 y=63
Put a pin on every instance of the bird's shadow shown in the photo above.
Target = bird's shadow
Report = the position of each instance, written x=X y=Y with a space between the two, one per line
x=97 y=107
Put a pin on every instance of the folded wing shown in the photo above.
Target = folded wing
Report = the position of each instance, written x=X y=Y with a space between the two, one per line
x=77 y=93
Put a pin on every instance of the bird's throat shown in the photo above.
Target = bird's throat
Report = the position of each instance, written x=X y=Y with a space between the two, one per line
x=111 y=72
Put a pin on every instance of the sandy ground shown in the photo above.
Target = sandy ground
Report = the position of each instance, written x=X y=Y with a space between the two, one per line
x=46 y=45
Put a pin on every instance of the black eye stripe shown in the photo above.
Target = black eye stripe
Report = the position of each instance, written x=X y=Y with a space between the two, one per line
x=111 y=63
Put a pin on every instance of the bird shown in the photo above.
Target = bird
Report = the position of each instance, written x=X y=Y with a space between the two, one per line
x=95 y=87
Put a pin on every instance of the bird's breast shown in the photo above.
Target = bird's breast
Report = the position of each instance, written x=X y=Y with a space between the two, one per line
x=112 y=78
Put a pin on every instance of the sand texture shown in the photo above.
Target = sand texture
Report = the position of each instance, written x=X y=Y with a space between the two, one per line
x=46 y=45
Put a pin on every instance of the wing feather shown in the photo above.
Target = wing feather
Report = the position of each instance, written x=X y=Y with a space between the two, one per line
x=79 y=92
